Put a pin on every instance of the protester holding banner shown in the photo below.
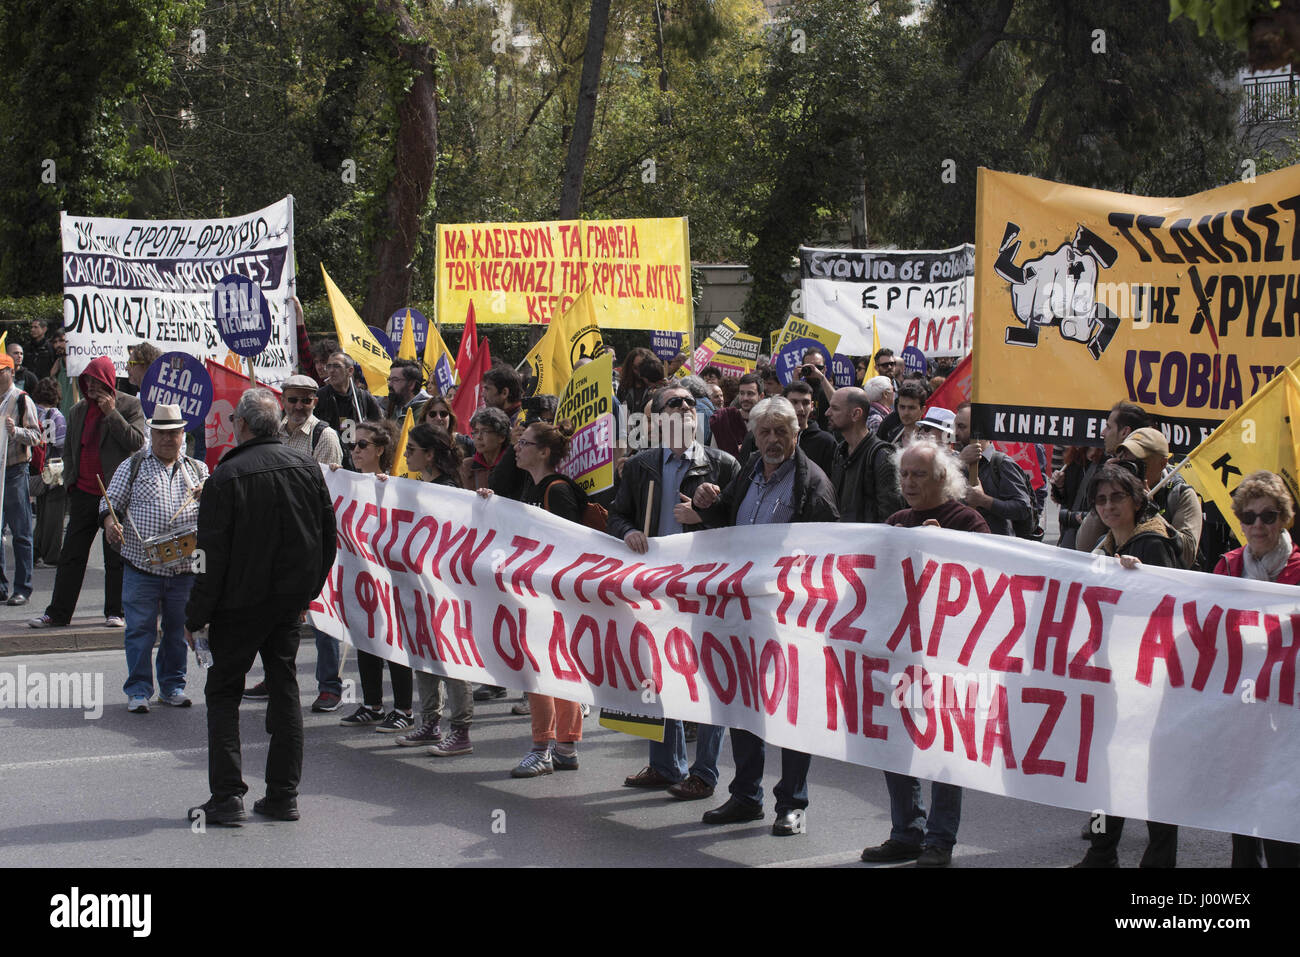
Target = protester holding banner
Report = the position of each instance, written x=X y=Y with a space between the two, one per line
x=341 y=405
x=103 y=429
x=21 y=432
x=437 y=411
x=1137 y=536
x=654 y=498
x=933 y=485
x=864 y=474
x=1266 y=511
x=781 y=484
x=156 y=493
x=1175 y=500
x=432 y=454
x=490 y=429
x=373 y=455
x=541 y=449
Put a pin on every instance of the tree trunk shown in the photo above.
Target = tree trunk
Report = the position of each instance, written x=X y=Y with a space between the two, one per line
x=414 y=163
x=585 y=118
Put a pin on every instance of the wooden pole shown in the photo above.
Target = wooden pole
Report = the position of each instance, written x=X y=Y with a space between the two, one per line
x=649 y=507
x=252 y=372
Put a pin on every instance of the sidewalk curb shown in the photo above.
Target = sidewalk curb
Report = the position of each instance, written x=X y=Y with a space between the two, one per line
x=79 y=636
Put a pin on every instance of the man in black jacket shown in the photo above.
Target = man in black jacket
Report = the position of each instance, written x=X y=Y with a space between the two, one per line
x=1002 y=494
x=864 y=474
x=660 y=481
x=266 y=542
x=778 y=485
x=341 y=405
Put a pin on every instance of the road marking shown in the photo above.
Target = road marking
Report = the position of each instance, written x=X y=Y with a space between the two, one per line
x=130 y=756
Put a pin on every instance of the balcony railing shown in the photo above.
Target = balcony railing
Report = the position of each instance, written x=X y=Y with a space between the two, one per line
x=1270 y=100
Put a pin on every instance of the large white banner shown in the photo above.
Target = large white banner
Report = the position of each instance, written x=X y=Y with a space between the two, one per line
x=987 y=662
x=125 y=280
x=919 y=298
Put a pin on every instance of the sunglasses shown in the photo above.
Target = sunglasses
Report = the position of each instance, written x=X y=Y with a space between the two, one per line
x=440 y=413
x=297 y=400
x=1269 y=517
x=677 y=401
x=363 y=444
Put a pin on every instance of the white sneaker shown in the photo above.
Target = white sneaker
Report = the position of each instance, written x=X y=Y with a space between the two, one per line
x=178 y=700
x=112 y=621
x=138 y=704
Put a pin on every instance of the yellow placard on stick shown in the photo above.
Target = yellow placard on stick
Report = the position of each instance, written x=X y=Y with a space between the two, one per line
x=638 y=270
x=1185 y=306
x=588 y=402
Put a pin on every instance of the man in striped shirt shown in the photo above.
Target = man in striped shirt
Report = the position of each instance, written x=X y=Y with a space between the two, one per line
x=155 y=491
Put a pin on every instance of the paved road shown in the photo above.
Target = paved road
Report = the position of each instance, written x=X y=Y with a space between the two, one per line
x=113 y=792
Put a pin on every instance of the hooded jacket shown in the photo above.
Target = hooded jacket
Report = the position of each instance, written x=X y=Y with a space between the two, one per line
x=1153 y=542
x=121 y=432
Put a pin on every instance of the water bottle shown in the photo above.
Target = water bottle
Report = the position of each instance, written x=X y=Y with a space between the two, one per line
x=202 y=653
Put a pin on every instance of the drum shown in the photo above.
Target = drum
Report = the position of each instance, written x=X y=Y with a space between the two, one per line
x=171 y=550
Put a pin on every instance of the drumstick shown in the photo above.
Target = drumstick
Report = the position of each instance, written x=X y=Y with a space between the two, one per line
x=189 y=498
x=649 y=506
x=111 y=513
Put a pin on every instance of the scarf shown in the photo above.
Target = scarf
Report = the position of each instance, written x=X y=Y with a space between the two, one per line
x=1268 y=567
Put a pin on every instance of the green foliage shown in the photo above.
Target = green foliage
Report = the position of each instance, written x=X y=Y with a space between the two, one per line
x=1230 y=18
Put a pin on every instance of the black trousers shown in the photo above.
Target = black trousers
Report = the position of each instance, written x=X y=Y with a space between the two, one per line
x=1250 y=851
x=83 y=525
x=372 y=681
x=274 y=637
x=1162 y=843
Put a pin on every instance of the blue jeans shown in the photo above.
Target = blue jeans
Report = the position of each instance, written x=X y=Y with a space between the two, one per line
x=669 y=757
x=143 y=597
x=907 y=812
x=328 y=653
x=791 y=792
x=18 y=516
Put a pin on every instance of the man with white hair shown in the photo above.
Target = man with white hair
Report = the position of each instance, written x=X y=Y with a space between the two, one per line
x=880 y=393
x=933 y=486
x=780 y=485
x=267 y=535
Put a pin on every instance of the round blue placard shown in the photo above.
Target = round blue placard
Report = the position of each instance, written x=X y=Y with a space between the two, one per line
x=177 y=378
x=914 y=360
x=243 y=315
x=395 y=323
x=790 y=359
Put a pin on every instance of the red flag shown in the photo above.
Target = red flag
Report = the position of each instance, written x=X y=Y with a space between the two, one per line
x=467 y=352
x=956 y=390
x=469 y=396
x=227 y=386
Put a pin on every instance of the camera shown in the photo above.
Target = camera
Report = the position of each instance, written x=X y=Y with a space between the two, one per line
x=537 y=408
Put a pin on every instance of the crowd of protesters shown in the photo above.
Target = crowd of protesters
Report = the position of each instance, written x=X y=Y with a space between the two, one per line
x=727 y=452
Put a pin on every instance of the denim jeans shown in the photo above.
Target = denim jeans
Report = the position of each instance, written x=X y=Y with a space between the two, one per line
x=328 y=654
x=669 y=757
x=18 y=516
x=791 y=792
x=144 y=596
x=907 y=811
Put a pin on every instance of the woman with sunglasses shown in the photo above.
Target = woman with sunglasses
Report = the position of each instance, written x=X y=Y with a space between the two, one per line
x=1266 y=510
x=539 y=451
x=376 y=445
x=1136 y=535
x=437 y=411
x=435 y=457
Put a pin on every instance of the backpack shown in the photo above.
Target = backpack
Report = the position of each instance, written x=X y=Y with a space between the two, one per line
x=137 y=460
x=868 y=485
x=593 y=515
x=1027 y=528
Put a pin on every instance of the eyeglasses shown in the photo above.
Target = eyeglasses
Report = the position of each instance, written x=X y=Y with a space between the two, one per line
x=677 y=401
x=1269 y=517
x=440 y=413
x=363 y=444
x=299 y=400
x=524 y=442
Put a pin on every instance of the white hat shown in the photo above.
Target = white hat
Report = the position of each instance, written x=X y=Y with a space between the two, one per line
x=166 y=418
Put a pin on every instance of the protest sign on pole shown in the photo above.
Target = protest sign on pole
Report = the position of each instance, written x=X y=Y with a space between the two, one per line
x=638 y=271
x=920 y=298
x=722 y=333
x=125 y=280
x=588 y=402
x=667 y=345
x=978 y=660
x=739 y=355
x=177 y=378
x=797 y=336
x=1185 y=306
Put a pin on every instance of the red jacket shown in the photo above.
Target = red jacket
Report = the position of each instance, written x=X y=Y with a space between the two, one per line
x=1232 y=564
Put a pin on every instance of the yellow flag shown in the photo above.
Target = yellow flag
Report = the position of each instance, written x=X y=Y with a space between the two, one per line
x=358 y=341
x=575 y=335
x=875 y=347
x=407 y=349
x=4 y=338
x=1263 y=434
x=399 y=459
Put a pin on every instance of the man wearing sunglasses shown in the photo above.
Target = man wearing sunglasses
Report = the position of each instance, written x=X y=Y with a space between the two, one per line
x=660 y=481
